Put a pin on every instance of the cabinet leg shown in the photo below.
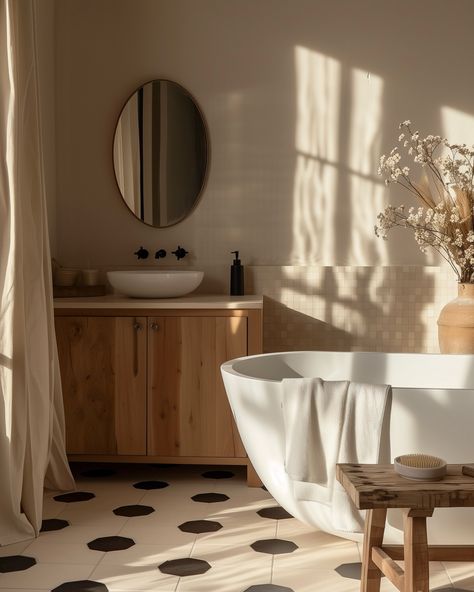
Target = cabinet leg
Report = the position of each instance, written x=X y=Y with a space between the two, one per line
x=373 y=537
x=253 y=480
x=415 y=553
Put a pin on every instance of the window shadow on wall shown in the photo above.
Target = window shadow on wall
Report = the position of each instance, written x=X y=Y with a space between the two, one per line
x=348 y=309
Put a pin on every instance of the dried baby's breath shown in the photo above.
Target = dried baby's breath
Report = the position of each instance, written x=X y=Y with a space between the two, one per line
x=445 y=193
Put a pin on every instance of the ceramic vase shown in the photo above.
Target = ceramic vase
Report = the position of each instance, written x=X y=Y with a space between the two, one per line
x=456 y=323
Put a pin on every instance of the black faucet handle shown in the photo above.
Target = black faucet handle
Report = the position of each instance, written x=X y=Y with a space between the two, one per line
x=160 y=254
x=180 y=253
x=142 y=253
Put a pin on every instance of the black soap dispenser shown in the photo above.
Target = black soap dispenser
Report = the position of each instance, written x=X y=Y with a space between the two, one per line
x=236 y=276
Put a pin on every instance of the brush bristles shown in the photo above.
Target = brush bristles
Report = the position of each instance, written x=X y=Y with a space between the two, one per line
x=421 y=461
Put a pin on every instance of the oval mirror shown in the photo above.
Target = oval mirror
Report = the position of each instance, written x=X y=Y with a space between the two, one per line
x=160 y=153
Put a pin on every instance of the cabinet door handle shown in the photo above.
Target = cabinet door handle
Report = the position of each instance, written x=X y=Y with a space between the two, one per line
x=155 y=327
x=137 y=326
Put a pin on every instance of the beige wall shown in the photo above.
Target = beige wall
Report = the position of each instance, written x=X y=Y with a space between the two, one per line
x=301 y=98
x=46 y=62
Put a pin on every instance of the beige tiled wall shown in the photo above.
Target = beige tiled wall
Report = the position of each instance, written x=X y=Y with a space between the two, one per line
x=352 y=308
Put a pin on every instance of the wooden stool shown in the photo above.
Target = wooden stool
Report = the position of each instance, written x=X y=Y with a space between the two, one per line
x=376 y=488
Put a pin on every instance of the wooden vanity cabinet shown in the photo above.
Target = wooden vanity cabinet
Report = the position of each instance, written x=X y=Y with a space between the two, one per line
x=148 y=388
x=188 y=412
x=103 y=373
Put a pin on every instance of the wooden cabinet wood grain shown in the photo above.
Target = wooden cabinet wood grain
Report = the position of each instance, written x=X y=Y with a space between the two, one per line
x=103 y=373
x=188 y=412
x=148 y=388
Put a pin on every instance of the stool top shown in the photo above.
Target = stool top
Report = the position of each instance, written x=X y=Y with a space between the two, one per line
x=378 y=486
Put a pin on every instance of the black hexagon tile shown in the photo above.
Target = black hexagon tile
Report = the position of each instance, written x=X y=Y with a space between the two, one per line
x=111 y=543
x=98 y=473
x=53 y=524
x=349 y=570
x=268 y=588
x=275 y=513
x=75 y=496
x=218 y=474
x=184 y=567
x=16 y=563
x=210 y=498
x=135 y=510
x=151 y=485
x=81 y=586
x=274 y=546
x=198 y=526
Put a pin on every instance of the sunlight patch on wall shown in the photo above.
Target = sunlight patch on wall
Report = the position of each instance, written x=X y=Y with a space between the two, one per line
x=367 y=192
x=458 y=126
x=318 y=80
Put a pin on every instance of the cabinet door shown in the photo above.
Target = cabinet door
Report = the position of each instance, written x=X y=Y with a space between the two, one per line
x=188 y=411
x=103 y=373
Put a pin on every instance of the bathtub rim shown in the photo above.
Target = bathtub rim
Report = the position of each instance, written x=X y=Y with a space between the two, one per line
x=462 y=360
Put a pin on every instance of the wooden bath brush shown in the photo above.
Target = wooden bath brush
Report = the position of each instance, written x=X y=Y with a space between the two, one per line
x=420 y=467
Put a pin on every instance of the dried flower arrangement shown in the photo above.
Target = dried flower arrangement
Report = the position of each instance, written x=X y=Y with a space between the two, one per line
x=444 y=218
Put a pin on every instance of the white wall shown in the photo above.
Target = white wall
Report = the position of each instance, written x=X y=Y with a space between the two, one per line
x=301 y=98
x=46 y=53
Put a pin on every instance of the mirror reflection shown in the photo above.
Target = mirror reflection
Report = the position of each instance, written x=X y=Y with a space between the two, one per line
x=160 y=153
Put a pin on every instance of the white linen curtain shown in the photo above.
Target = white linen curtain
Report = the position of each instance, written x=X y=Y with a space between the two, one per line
x=127 y=155
x=32 y=451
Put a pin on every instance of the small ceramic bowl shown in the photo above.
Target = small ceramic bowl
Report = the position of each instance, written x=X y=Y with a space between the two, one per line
x=90 y=277
x=65 y=277
x=420 y=467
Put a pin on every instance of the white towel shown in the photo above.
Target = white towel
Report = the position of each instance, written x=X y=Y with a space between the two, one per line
x=329 y=422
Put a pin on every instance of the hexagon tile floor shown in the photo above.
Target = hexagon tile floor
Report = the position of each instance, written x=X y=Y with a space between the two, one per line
x=132 y=528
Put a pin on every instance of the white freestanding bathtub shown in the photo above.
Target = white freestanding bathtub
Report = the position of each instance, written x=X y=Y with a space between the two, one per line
x=432 y=412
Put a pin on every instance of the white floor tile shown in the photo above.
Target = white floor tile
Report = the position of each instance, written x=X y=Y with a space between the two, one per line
x=311 y=580
x=461 y=574
x=47 y=551
x=236 y=532
x=309 y=556
x=80 y=534
x=220 y=555
x=45 y=576
x=127 y=578
x=64 y=556
x=15 y=549
x=51 y=508
x=147 y=555
x=230 y=578
x=156 y=533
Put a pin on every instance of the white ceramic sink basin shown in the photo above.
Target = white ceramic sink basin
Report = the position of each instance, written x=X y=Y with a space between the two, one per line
x=151 y=283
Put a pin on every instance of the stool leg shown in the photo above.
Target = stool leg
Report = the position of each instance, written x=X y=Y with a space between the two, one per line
x=373 y=537
x=415 y=553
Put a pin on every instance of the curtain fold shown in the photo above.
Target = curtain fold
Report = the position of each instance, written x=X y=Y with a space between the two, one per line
x=32 y=451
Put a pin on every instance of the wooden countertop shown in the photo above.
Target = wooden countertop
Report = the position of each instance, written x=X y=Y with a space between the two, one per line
x=112 y=301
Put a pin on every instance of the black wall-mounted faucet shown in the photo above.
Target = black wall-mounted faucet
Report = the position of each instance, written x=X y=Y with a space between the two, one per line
x=180 y=253
x=160 y=254
x=142 y=253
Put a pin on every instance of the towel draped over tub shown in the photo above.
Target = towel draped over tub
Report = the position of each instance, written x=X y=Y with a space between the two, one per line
x=329 y=422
